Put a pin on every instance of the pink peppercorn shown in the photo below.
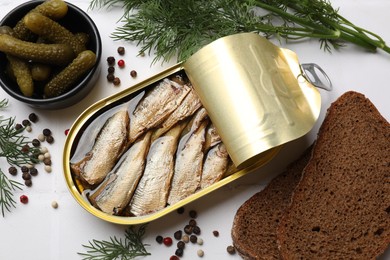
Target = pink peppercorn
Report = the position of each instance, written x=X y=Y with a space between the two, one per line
x=24 y=199
x=121 y=63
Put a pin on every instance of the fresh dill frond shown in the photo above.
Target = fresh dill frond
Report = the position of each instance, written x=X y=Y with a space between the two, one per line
x=7 y=187
x=117 y=248
x=168 y=29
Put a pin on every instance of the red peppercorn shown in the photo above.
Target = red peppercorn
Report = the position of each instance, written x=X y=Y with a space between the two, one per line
x=167 y=241
x=24 y=199
x=121 y=63
x=66 y=132
x=174 y=258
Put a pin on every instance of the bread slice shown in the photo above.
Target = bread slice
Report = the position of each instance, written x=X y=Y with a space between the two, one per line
x=341 y=207
x=255 y=222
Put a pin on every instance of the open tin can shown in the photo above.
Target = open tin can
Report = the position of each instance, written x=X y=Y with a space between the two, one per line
x=255 y=97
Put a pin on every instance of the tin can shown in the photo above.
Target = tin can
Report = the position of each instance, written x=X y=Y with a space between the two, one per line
x=255 y=95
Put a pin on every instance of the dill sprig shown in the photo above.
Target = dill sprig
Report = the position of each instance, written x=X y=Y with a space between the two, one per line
x=7 y=187
x=168 y=28
x=12 y=148
x=116 y=248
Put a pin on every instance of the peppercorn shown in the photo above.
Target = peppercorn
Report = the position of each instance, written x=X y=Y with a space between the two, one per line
x=35 y=142
x=159 y=239
x=24 y=199
x=133 y=73
x=196 y=230
x=179 y=252
x=26 y=122
x=24 y=168
x=193 y=214
x=47 y=161
x=178 y=234
x=25 y=148
x=18 y=126
x=116 y=81
x=46 y=132
x=111 y=69
x=200 y=253
x=121 y=63
x=121 y=50
x=200 y=241
x=188 y=229
x=231 y=250
x=66 y=132
x=110 y=60
x=215 y=233
x=110 y=77
x=180 y=210
x=34 y=171
x=33 y=117
x=41 y=137
x=26 y=176
x=192 y=222
x=50 y=139
x=54 y=204
x=28 y=183
x=185 y=238
x=12 y=170
x=193 y=238
x=174 y=258
x=181 y=245
x=167 y=241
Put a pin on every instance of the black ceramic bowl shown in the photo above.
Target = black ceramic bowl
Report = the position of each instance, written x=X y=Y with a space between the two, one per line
x=76 y=20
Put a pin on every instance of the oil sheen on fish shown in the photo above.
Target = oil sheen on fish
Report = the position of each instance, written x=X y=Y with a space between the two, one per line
x=152 y=191
x=109 y=145
x=188 y=166
x=116 y=191
x=156 y=106
x=215 y=165
x=187 y=108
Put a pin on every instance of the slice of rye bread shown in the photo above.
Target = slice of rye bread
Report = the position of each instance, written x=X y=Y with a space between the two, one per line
x=341 y=207
x=254 y=225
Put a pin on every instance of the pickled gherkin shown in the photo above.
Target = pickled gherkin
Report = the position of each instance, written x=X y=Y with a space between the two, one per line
x=64 y=80
x=55 y=9
x=22 y=74
x=55 y=54
x=52 y=31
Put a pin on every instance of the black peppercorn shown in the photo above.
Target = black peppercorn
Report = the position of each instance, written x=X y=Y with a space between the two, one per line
x=215 y=233
x=192 y=222
x=110 y=77
x=18 y=126
x=116 y=81
x=46 y=132
x=193 y=214
x=33 y=117
x=12 y=170
x=35 y=142
x=110 y=60
x=159 y=239
x=121 y=50
x=50 y=139
x=188 y=229
x=24 y=168
x=26 y=176
x=25 y=148
x=28 y=183
x=180 y=210
x=193 y=238
x=34 y=171
x=133 y=73
x=179 y=252
x=47 y=161
x=196 y=230
x=181 y=244
x=26 y=122
x=178 y=234
x=111 y=69
x=231 y=250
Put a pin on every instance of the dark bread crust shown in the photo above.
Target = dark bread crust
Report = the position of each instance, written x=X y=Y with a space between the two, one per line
x=255 y=222
x=341 y=207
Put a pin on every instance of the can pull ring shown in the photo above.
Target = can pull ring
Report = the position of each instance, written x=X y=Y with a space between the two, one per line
x=310 y=72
